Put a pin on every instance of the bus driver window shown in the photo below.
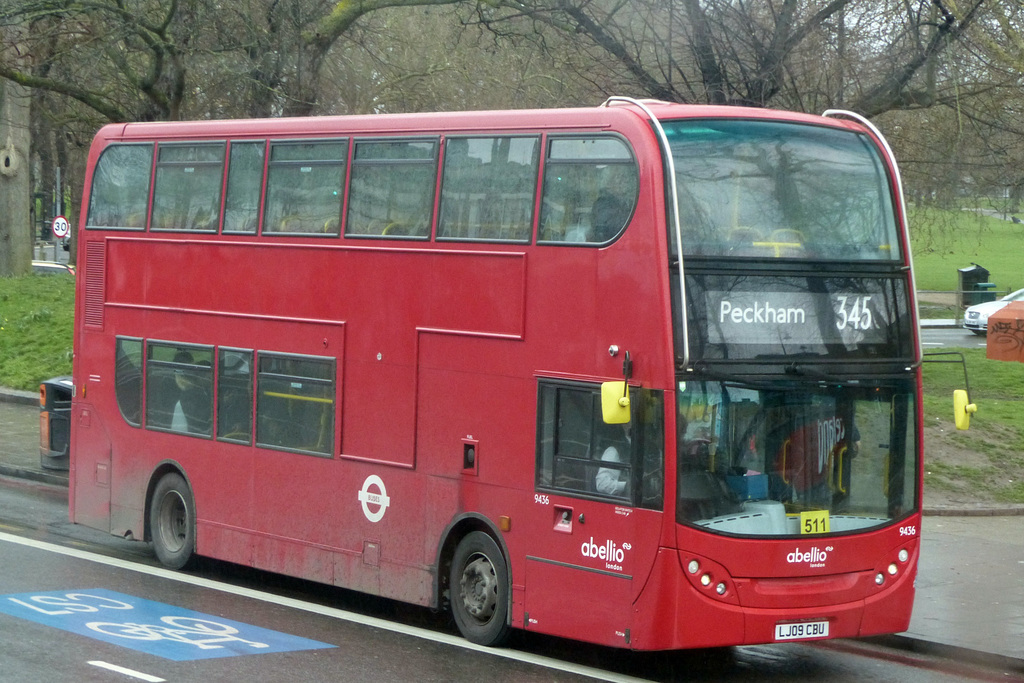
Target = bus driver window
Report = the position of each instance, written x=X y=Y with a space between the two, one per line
x=579 y=454
x=615 y=446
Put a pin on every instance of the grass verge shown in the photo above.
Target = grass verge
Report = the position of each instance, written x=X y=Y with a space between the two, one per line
x=944 y=241
x=36 y=327
x=986 y=462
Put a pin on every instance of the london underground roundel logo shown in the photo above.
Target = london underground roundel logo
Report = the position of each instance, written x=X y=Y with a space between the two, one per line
x=375 y=503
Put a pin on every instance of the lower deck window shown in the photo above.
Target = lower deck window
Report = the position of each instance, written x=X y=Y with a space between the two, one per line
x=179 y=388
x=234 y=395
x=295 y=395
x=295 y=403
x=128 y=379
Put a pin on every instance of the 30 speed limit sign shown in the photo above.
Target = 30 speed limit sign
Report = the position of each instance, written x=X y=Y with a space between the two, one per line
x=61 y=227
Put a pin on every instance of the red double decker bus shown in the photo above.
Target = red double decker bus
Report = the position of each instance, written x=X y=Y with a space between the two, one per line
x=644 y=374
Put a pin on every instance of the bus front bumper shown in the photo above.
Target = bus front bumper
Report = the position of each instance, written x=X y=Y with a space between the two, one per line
x=679 y=609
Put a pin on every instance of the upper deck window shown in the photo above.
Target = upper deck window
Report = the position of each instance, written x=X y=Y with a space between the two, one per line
x=245 y=180
x=186 y=194
x=590 y=189
x=489 y=188
x=304 y=187
x=391 y=193
x=781 y=190
x=120 y=187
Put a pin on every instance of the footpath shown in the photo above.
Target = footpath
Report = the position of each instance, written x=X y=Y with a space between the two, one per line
x=969 y=605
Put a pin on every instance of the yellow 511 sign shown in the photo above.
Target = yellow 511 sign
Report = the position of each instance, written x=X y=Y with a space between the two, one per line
x=814 y=522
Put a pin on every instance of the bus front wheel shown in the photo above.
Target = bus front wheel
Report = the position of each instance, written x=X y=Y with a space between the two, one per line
x=172 y=521
x=479 y=590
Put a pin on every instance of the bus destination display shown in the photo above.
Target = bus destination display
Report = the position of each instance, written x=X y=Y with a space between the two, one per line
x=752 y=316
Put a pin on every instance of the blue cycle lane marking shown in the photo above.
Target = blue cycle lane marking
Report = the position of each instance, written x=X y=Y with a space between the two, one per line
x=152 y=627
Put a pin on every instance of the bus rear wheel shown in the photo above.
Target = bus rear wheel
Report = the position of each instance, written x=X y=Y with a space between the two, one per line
x=479 y=590
x=172 y=521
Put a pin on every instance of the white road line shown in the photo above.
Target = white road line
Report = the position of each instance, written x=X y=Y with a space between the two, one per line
x=322 y=610
x=129 y=672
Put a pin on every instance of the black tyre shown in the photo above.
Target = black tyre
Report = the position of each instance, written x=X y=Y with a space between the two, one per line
x=172 y=521
x=479 y=590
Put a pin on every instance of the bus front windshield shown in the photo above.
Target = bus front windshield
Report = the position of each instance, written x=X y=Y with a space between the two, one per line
x=763 y=189
x=785 y=458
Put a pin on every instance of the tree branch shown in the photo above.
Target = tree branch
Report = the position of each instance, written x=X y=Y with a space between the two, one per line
x=894 y=92
x=86 y=97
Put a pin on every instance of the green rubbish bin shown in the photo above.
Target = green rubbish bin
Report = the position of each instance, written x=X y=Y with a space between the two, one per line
x=969 y=278
x=986 y=292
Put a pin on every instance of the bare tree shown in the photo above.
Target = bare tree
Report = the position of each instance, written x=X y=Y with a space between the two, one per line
x=962 y=145
x=155 y=59
x=147 y=60
x=875 y=55
x=15 y=225
x=110 y=60
x=377 y=67
x=124 y=63
x=275 y=53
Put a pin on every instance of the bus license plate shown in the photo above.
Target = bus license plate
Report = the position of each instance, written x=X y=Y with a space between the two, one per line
x=802 y=630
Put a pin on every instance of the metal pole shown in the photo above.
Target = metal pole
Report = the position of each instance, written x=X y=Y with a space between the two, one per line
x=58 y=211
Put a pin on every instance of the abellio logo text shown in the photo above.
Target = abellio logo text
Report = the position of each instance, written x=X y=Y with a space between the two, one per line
x=815 y=557
x=612 y=554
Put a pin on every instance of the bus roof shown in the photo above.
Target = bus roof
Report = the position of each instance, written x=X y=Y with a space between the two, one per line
x=585 y=118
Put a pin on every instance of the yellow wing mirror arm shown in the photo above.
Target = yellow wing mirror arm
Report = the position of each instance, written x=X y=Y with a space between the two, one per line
x=962 y=406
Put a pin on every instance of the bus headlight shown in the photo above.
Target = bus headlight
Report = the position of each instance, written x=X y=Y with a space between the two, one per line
x=710 y=579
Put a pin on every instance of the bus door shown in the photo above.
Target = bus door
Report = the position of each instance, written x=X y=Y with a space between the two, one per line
x=595 y=520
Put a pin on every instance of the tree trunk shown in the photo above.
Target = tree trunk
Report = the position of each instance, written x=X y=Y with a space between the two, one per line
x=16 y=237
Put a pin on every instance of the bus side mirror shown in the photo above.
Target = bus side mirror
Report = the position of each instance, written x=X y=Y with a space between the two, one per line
x=614 y=403
x=962 y=409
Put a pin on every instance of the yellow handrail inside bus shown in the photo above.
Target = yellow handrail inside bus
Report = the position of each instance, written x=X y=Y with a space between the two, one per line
x=296 y=397
x=785 y=455
x=839 y=477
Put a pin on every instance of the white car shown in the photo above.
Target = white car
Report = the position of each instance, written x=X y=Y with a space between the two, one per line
x=52 y=268
x=976 y=316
